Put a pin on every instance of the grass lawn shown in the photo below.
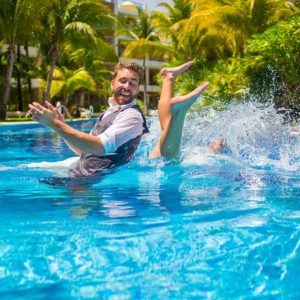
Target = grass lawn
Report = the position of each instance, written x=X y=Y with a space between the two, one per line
x=17 y=119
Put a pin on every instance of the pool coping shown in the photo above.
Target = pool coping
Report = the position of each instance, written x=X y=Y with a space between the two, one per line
x=33 y=124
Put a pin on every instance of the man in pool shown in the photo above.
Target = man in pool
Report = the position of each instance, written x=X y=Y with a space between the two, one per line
x=118 y=131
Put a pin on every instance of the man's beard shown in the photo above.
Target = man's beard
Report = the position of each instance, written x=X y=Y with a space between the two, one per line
x=119 y=98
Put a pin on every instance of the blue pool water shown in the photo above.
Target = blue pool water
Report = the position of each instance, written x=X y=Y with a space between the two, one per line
x=207 y=227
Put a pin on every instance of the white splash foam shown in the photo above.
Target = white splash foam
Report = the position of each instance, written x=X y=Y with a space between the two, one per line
x=67 y=163
x=4 y=168
x=255 y=134
x=59 y=168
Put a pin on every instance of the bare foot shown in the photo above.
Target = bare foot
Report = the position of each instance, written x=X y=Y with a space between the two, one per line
x=183 y=103
x=174 y=72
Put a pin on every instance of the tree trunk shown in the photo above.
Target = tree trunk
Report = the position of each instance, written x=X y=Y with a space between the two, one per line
x=145 y=88
x=81 y=97
x=19 y=79
x=28 y=77
x=6 y=87
x=67 y=100
x=53 y=56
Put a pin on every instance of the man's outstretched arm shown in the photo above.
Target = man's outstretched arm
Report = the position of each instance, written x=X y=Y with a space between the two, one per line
x=83 y=142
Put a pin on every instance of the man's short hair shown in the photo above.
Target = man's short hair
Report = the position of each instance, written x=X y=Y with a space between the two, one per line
x=132 y=67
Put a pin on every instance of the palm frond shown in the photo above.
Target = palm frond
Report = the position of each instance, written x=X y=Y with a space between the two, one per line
x=81 y=31
x=58 y=74
x=143 y=48
x=57 y=88
x=81 y=79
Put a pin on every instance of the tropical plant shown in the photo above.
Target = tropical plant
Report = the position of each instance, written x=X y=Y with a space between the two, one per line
x=169 y=23
x=66 y=82
x=219 y=29
x=268 y=70
x=218 y=33
x=143 y=43
x=276 y=52
x=94 y=62
x=73 y=24
x=19 y=19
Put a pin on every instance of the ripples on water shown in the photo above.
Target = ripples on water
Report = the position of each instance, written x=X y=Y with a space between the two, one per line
x=209 y=227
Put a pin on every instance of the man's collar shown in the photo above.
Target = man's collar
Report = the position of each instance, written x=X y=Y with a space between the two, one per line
x=121 y=107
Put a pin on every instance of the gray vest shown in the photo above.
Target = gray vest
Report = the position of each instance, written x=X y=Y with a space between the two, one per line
x=89 y=164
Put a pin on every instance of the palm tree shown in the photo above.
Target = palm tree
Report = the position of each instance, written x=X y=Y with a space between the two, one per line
x=232 y=23
x=73 y=23
x=144 y=44
x=206 y=35
x=170 y=24
x=18 y=20
x=264 y=13
x=194 y=28
x=66 y=82
x=94 y=61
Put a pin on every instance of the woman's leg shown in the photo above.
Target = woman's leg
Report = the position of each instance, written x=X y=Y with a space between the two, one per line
x=172 y=111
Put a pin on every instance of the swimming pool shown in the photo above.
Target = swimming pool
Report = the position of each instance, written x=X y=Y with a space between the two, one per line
x=209 y=227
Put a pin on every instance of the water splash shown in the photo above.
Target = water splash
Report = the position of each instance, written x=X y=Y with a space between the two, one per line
x=256 y=135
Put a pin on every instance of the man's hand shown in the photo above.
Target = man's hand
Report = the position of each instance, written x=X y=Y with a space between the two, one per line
x=80 y=141
x=42 y=114
x=59 y=115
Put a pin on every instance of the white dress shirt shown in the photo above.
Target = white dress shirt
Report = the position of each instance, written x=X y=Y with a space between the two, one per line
x=127 y=125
